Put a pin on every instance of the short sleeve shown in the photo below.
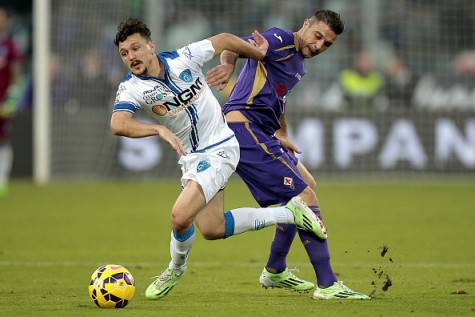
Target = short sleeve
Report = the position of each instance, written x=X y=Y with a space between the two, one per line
x=198 y=53
x=124 y=100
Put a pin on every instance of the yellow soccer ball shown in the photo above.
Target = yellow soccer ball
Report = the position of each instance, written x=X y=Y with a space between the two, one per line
x=111 y=286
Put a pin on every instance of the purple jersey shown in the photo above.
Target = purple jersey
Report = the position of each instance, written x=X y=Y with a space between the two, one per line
x=262 y=86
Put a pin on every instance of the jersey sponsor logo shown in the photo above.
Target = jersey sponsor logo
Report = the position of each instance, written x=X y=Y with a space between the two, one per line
x=186 y=97
x=289 y=182
x=171 y=107
x=202 y=166
x=160 y=110
x=186 y=76
x=278 y=37
x=155 y=94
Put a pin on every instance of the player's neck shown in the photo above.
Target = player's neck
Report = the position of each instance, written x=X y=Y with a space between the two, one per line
x=156 y=69
x=297 y=40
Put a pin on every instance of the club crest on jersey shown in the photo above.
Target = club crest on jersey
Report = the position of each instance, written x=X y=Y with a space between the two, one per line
x=186 y=76
x=202 y=166
x=289 y=182
x=281 y=89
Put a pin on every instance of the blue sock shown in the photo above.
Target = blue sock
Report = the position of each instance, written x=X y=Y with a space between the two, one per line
x=184 y=235
x=228 y=224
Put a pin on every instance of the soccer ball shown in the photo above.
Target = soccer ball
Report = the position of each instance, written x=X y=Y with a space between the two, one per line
x=111 y=286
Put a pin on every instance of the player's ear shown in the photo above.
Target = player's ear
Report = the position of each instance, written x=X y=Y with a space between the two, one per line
x=152 y=46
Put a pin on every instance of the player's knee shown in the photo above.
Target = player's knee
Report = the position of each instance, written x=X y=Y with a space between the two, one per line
x=309 y=196
x=311 y=183
x=180 y=221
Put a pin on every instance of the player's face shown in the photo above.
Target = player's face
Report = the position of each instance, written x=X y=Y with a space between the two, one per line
x=137 y=53
x=316 y=38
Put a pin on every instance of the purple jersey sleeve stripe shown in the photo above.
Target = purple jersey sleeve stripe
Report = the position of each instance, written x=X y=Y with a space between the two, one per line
x=125 y=106
x=284 y=48
x=284 y=58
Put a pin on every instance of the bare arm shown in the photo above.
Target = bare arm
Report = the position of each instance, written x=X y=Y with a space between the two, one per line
x=283 y=136
x=230 y=42
x=123 y=124
x=219 y=75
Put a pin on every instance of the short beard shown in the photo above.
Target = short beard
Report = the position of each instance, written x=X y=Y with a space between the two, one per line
x=142 y=73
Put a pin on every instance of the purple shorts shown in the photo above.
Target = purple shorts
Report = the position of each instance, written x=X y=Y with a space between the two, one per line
x=268 y=170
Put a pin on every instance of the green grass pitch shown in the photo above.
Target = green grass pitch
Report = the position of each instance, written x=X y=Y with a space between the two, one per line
x=53 y=238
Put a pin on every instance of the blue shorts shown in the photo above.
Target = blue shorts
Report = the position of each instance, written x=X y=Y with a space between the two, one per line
x=268 y=170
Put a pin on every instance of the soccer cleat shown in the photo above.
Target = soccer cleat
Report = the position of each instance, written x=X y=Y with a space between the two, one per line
x=305 y=219
x=338 y=291
x=286 y=280
x=163 y=284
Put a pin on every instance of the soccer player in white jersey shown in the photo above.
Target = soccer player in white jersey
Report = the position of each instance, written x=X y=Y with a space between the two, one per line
x=171 y=88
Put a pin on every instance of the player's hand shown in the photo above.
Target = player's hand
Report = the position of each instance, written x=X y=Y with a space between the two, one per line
x=171 y=139
x=219 y=76
x=260 y=42
x=287 y=144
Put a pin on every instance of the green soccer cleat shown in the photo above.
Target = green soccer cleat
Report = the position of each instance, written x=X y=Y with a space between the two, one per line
x=305 y=219
x=163 y=284
x=286 y=280
x=338 y=291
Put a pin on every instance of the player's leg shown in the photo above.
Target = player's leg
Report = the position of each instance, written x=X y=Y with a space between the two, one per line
x=214 y=224
x=6 y=156
x=190 y=201
x=317 y=249
x=270 y=175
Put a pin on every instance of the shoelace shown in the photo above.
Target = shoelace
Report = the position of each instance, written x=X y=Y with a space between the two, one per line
x=346 y=288
x=291 y=272
x=163 y=277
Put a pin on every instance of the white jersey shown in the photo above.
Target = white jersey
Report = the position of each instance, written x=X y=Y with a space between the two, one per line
x=183 y=102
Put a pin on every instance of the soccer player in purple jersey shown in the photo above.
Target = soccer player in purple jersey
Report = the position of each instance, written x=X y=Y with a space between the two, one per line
x=255 y=111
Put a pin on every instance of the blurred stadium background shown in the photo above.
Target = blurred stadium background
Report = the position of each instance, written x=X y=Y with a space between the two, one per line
x=393 y=100
x=395 y=96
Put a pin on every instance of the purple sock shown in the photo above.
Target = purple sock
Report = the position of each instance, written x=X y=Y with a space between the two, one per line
x=317 y=250
x=284 y=235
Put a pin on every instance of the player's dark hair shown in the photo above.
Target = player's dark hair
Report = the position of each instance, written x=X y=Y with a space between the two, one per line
x=129 y=27
x=330 y=18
